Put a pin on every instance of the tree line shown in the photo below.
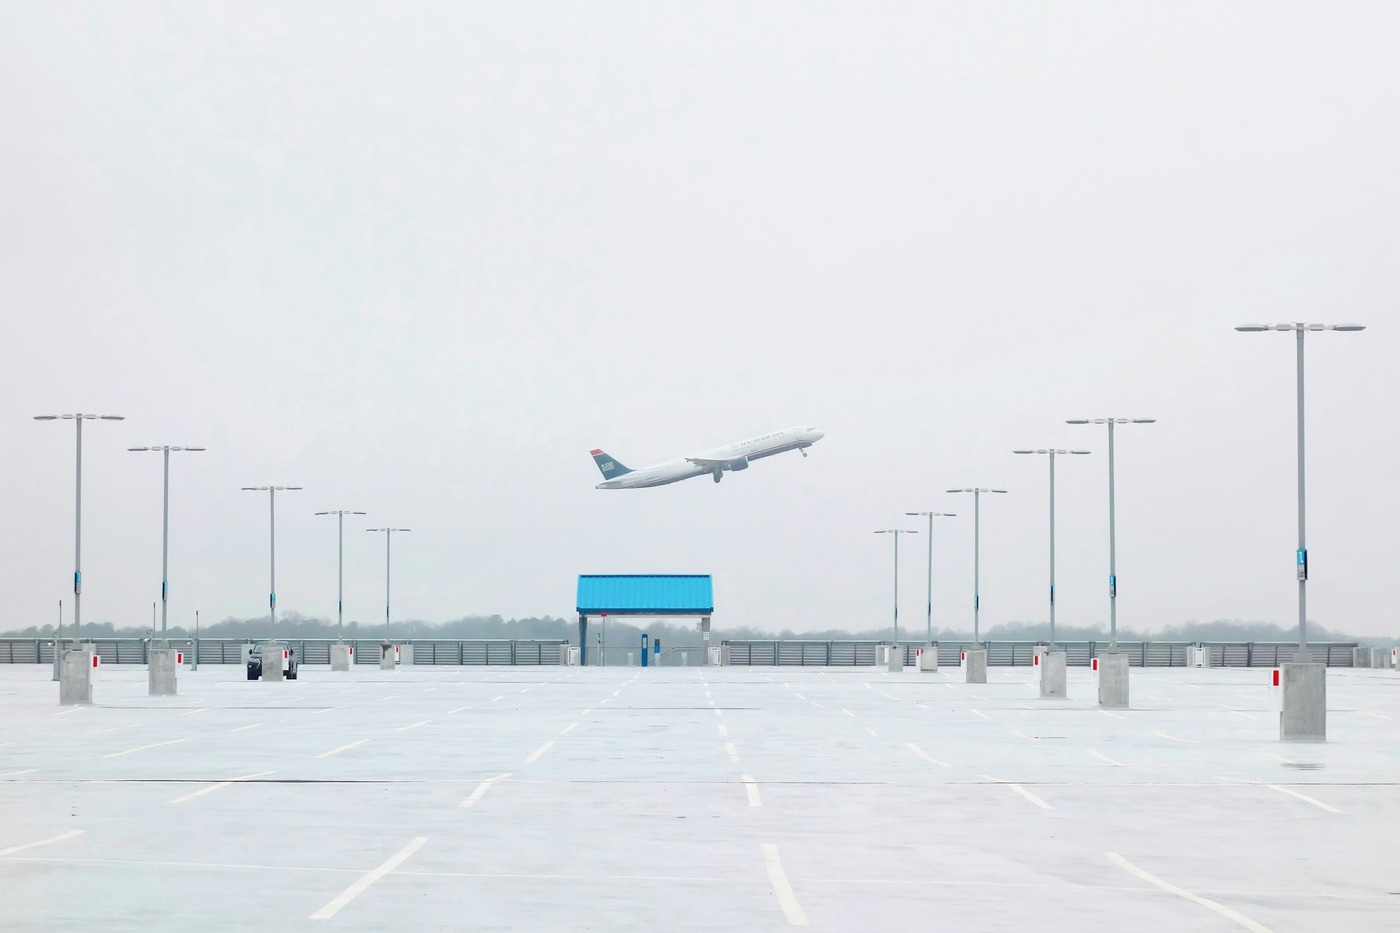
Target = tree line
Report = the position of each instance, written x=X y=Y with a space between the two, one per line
x=684 y=633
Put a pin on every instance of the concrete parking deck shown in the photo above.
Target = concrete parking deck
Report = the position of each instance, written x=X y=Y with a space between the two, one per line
x=718 y=798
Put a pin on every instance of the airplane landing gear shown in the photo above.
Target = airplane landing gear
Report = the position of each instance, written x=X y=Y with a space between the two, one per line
x=803 y=451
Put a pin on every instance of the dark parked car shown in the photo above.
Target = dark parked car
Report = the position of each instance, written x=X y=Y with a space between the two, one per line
x=255 y=659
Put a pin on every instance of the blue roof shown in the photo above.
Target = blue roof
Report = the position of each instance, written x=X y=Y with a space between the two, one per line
x=645 y=594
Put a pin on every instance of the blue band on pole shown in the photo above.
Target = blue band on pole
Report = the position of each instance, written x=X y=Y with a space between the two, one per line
x=1302 y=563
x=77 y=582
x=1113 y=586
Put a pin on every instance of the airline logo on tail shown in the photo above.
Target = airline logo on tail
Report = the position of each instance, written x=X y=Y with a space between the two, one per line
x=611 y=468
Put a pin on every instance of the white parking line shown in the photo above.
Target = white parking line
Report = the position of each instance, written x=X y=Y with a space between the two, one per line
x=1114 y=715
x=1304 y=797
x=587 y=711
x=1020 y=790
x=751 y=786
x=1240 y=712
x=18 y=773
x=732 y=751
x=328 y=709
x=130 y=725
x=43 y=842
x=569 y=728
x=719 y=712
x=1174 y=738
x=65 y=712
x=494 y=699
x=978 y=712
x=196 y=712
x=848 y=712
x=482 y=788
x=142 y=748
x=414 y=725
x=459 y=709
x=721 y=728
x=799 y=696
x=1170 y=888
x=1283 y=790
x=344 y=748
x=358 y=888
x=1104 y=758
x=925 y=755
x=872 y=732
x=781 y=889
x=535 y=755
x=1366 y=712
x=219 y=786
x=252 y=725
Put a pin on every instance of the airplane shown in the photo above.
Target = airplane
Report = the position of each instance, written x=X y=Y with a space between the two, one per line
x=715 y=462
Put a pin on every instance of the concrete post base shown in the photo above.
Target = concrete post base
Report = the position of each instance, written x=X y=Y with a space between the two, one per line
x=975 y=665
x=1052 y=675
x=272 y=663
x=1113 y=680
x=405 y=654
x=161 y=672
x=1304 y=714
x=74 y=676
x=387 y=661
x=928 y=659
x=896 y=659
x=340 y=657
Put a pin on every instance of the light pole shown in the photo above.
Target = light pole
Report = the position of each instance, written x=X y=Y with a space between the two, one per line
x=896 y=532
x=388 y=537
x=78 y=419
x=165 y=532
x=272 y=492
x=977 y=556
x=340 y=569
x=1051 y=453
x=931 y=516
x=1302 y=555
x=1112 y=528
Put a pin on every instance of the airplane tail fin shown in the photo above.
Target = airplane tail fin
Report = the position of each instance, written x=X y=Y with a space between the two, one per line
x=610 y=468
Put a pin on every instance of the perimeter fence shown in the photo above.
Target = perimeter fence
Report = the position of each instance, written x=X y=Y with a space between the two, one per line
x=793 y=652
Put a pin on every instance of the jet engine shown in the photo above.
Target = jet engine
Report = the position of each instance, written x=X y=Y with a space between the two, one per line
x=741 y=464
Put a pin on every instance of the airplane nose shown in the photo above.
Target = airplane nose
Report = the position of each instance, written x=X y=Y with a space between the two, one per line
x=816 y=434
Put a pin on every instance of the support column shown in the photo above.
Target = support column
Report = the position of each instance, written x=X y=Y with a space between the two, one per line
x=161 y=672
x=387 y=660
x=705 y=639
x=974 y=662
x=272 y=663
x=582 y=640
x=1303 y=717
x=1113 y=680
x=928 y=658
x=74 y=675
x=340 y=657
x=1053 y=675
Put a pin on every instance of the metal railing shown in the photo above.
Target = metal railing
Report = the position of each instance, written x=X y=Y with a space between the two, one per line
x=427 y=652
x=792 y=652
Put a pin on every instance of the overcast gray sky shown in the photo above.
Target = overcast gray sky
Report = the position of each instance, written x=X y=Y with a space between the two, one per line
x=420 y=258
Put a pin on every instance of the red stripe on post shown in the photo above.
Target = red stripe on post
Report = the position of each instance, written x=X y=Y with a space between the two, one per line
x=1275 y=677
x=1095 y=664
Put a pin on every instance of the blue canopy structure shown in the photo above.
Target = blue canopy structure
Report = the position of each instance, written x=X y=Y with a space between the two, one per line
x=687 y=594
x=649 y=594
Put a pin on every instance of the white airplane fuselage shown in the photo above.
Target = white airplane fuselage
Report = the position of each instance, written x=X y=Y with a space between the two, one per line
x=714 y=462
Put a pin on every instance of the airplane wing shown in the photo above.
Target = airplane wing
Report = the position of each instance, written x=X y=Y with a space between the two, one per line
x=701 y=461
